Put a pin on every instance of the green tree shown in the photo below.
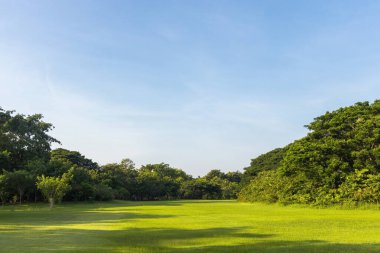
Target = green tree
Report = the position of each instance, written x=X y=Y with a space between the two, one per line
x=229 y=189
x=53 y=188
x=20 y=181
x=215 y=173
x=82 y=182
x=339 y=143
x=121 y=178
x=127 y=164
x=268 y=161
x=160 y=181
x=338 y=161
x=4 y=193
x=234 y=176
x=201 y=188
x=23 y=138
x=73 y=158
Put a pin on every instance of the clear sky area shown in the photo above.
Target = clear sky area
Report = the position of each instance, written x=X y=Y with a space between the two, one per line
x=197 y=84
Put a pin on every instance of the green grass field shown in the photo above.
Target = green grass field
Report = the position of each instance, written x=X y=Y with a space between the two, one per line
x=187 y=226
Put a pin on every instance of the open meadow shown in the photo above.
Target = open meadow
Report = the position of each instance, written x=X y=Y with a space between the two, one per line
x=187 y=226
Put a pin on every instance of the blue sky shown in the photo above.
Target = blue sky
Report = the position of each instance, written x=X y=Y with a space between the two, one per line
x=196 y=84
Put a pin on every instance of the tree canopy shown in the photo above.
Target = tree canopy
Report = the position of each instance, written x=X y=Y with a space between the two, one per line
x=30 y=170
x=23 y=138
x=336 y=162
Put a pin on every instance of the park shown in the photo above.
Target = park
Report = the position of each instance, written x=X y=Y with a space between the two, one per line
x=202 y=126
x=209 y=226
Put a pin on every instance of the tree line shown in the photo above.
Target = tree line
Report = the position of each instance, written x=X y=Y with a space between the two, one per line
x=338 y=162
x=31 y=171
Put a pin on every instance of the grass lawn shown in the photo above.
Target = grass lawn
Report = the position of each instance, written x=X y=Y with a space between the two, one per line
x=187 y=226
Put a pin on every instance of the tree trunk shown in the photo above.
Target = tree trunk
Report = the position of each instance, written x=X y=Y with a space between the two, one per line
x=20 y=196
x=51 y=201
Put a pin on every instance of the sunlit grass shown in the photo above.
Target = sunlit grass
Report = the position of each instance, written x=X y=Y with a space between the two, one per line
x=187 y=226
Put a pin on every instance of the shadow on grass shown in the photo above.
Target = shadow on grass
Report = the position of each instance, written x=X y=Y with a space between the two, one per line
x=75 y=215
x=273 y=246
x=29 y=232
x=212 y=240
x=83 y=213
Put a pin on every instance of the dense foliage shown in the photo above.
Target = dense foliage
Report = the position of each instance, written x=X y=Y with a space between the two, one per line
x=31 y=171
x=337 y=162
x=264 y=162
